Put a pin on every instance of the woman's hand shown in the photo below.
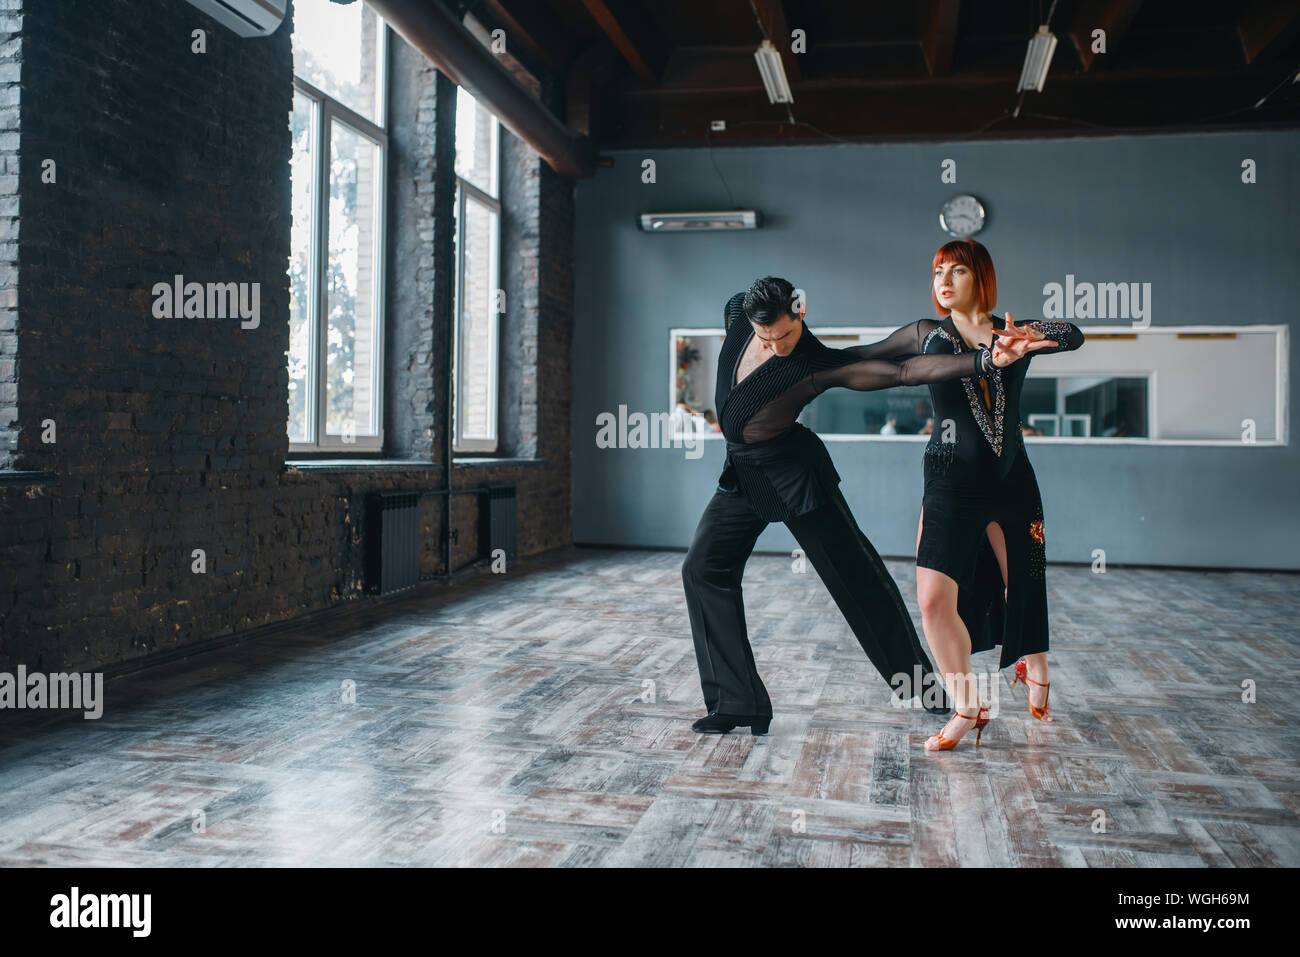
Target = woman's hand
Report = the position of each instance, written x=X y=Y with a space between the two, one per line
x=1015 y=342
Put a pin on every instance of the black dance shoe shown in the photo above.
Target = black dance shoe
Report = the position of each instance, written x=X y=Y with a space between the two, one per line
x=716 y=723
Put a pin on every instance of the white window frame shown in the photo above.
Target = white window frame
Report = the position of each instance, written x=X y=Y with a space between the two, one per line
x=467 y=192
x=1059 y=420
x=327 y=112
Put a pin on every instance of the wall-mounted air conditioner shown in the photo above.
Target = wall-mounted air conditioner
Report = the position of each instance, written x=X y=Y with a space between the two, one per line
x=248 y=18
x=697 y=222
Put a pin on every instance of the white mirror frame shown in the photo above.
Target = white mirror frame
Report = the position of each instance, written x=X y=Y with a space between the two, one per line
x=876 y=333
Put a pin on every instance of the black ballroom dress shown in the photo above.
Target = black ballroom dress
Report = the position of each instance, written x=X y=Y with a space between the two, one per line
x=778 y=470
x=977 y=471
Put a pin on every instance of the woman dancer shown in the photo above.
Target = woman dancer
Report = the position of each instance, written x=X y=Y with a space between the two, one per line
x=981 y=525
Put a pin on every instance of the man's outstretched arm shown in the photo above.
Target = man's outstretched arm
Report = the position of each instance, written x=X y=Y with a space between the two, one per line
x=903 y=341
x=870 y=375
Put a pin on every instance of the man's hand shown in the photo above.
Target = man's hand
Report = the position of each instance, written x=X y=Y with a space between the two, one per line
x=1015 y=342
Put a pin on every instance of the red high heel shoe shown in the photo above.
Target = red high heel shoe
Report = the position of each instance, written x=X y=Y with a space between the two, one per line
x=980 y=717
x=1023 y=678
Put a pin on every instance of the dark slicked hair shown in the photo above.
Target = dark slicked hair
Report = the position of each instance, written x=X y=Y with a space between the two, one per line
x=768 y=300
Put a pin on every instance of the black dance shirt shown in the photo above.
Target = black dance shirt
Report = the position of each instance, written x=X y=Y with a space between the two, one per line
x=781 y=466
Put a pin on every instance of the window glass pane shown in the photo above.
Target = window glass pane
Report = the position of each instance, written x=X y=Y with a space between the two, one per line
x=476 y=143
x=301 y=367
x=476 y=383
x=351 y=293
x=336 y=49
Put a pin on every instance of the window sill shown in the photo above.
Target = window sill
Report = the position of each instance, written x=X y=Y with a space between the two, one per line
x=486 y=461
x=361 y=465
x=383 y=465
x=28 y=478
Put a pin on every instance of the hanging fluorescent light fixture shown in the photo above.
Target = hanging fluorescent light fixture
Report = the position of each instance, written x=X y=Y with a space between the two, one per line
x=1037 y=60
x=772 y=70
x=699 y=222
x=248 y=18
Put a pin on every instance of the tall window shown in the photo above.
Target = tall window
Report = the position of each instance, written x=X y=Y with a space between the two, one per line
x=478 y=257
x=340 y=147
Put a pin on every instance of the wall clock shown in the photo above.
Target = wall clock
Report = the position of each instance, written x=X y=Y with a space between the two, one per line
x=961 y=216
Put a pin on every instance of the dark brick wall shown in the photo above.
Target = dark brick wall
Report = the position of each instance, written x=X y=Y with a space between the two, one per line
x=520 y=179
x=421 y=196
x=10 y=98
x=171 y=432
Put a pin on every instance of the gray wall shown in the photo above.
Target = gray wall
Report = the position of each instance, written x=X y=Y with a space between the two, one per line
x=855 y=226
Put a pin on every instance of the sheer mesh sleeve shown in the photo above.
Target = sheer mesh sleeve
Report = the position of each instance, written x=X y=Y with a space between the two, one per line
x=868 y=375
x=903 y=341
x=1065 y=334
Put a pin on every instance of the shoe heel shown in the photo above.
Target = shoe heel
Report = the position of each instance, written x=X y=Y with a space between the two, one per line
x=760 y=727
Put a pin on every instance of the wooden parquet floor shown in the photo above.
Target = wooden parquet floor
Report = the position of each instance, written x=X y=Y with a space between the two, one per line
x=542 y=718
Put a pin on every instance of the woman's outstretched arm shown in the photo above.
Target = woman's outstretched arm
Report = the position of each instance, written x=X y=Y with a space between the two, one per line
x=1066 y=335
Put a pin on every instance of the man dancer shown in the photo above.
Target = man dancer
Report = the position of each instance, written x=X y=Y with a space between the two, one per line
x=777 y=470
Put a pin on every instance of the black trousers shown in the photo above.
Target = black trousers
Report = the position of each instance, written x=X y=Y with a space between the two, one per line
x=849 y=567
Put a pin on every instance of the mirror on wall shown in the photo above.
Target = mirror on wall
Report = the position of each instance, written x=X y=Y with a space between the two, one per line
x=694 y=364
x=1184 y=384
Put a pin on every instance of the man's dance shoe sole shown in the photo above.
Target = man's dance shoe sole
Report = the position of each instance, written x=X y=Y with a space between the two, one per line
x=715 y=723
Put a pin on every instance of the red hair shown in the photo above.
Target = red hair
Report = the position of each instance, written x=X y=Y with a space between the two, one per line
x=976 y=258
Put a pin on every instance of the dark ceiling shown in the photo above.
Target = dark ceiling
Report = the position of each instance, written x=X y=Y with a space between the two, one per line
x=641 y=73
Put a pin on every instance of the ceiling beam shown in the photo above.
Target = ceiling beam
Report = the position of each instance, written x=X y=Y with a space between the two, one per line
x=435 y=31
x=635 y=39
x=588 y=79
x=939 y=35
x=1266 y=28
x=543 y=41
x=1114 y=17
x=1166 y=104
x=771 y=13
x=708 y=71
x=514 y=66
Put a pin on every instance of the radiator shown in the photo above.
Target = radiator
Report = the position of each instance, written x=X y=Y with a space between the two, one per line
x=393 y=541
x=498 y=526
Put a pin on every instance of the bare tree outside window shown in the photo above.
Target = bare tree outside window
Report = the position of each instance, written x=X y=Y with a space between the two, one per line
x=336 y=267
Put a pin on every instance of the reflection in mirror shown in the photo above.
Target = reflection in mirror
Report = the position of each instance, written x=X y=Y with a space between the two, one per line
x=1085 y=406
x=903 y=410
x=695 y=364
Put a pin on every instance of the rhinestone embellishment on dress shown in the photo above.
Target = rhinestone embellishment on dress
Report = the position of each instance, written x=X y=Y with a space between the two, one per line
x=992 y=429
